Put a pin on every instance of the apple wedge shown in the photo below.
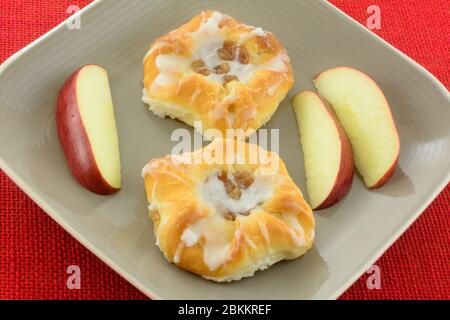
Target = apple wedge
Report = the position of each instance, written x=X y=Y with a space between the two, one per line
x=87 y=130
x=327 y=152
x=364 y=112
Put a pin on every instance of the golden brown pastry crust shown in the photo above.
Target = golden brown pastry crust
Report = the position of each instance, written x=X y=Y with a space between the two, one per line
x=190 y=74
x=197 y=233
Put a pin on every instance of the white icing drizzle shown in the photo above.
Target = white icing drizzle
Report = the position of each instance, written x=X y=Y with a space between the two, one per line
x=273 y=88
x=145 y=170
x=295 y=229
x=277 y=63
x=208 y=27
x=214 y=194
x=256 y=32
x=170 y=62
x=178 y=252
x=231 y=97
x=163 y=79
x=216 y=250
x=237 y=236
x=208 y=39
x=170 y=66
x=159 y=45
x=249 y=241
x=216 y=112
x=245 y=72
x=153 y=206
x=194 y=96
x=264 y=232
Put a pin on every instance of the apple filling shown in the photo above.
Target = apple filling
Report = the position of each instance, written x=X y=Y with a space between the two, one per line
x=235 y=183
x=230 y=52
x=235 y=194
x=239 y=181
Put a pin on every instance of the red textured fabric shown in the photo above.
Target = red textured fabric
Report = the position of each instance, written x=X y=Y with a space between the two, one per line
x=35 y=251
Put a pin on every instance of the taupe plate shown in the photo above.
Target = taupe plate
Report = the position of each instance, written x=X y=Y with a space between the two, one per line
x=116 y=34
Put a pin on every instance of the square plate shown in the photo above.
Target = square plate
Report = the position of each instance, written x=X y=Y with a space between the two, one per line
x=117 y=34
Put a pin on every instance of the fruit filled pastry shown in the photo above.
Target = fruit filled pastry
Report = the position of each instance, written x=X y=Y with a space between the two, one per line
x=219 y=71
x=226 y=221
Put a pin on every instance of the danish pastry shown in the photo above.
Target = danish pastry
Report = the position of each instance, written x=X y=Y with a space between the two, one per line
x=218 y=72
x=224 y=221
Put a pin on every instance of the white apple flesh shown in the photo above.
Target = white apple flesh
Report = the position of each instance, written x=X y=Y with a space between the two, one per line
x=327 y=153
x=87 y=130
x=364 y=112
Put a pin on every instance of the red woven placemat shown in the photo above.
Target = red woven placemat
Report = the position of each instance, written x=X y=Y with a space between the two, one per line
x=35 y=251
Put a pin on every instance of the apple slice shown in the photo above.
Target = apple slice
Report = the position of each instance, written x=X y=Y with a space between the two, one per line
x=87 y=130
x=327 y=152
x=364 y=112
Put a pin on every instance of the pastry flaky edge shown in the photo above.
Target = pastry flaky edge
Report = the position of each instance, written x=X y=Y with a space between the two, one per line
x=193 y=98
x=282 y=227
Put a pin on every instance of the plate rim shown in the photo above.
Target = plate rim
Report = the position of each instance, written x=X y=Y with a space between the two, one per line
x=88 y=244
